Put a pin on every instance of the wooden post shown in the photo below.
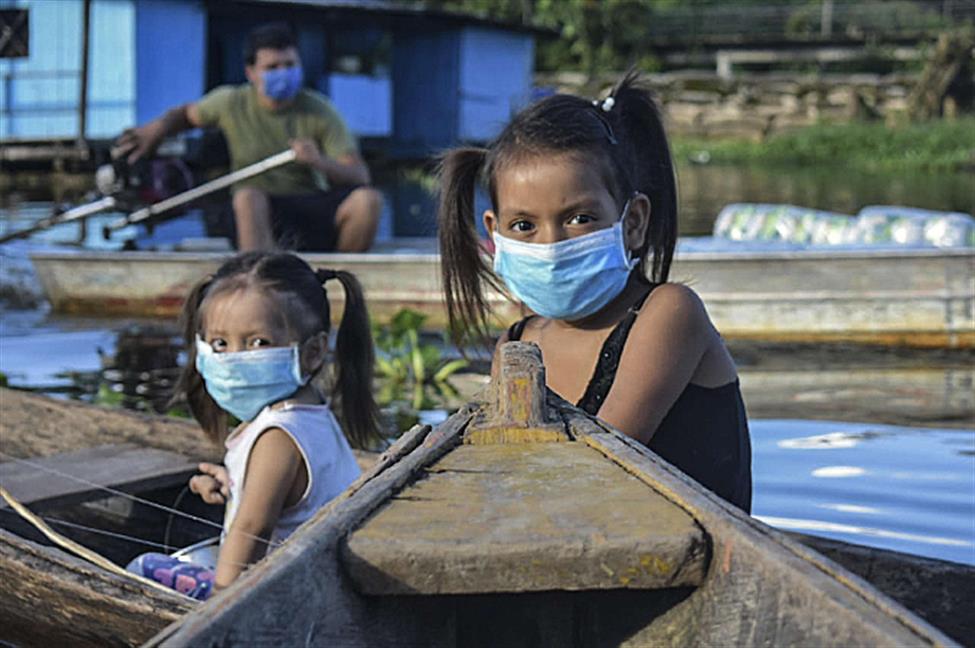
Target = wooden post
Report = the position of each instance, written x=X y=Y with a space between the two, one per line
x=518 y=411
x=85 y=57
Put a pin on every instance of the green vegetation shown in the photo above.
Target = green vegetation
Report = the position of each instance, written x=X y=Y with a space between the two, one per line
x=413 y=375
x=930 y=146
x=595 y=36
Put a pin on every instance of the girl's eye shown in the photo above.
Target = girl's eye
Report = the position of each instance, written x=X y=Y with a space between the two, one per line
x=521 y=226
x=258 y=342
x=581 y=219
x=218 y=344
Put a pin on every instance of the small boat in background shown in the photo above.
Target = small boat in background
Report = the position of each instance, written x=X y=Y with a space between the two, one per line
x=914 y=297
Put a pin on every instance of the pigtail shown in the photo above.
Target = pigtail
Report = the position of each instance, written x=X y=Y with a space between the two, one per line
x=462 y=265
x=190 y=385
x=640 y=131
x=354 y=359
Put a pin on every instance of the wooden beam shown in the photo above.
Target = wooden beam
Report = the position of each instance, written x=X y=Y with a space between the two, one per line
x=83 y=475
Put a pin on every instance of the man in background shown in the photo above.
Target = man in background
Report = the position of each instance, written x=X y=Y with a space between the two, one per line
x=321 y=202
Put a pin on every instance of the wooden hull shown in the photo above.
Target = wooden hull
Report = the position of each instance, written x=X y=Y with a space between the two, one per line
x=921 y=298
x=528 y=523
x=55 y=599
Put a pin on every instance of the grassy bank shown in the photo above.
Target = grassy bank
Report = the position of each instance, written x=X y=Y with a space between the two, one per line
x=934 y=146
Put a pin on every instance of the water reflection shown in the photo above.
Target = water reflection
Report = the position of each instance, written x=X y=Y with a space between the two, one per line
x=819 y=527
x=915 y=486
x=838 y=472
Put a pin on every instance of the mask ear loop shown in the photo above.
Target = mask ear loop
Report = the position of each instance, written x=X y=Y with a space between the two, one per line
x=630 y=257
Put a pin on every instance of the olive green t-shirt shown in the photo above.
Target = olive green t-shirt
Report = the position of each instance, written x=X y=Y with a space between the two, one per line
x=254 y=132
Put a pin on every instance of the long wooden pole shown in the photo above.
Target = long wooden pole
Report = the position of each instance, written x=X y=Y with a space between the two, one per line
x=107 y=203
x=272 y=162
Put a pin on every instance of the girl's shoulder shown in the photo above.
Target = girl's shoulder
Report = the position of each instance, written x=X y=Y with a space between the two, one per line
x=673 y=307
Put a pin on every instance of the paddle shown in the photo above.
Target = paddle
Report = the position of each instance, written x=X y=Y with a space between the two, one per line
x=77 y=213
x=180 y=199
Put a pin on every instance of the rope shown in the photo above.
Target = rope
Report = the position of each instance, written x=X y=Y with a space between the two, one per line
x=79 y=550
x=108 y=489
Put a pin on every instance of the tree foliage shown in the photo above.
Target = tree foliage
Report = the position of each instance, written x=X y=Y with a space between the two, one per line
x=600 y=35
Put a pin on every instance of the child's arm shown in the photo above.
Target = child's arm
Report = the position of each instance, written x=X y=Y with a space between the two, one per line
x=272 y=468
x=666 y=348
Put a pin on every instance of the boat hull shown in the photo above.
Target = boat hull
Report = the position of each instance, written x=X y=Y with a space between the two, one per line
x=919 y=298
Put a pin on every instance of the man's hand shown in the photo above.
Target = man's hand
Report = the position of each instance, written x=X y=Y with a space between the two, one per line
x=306 y=151
x=213 y=486
x=140 y=141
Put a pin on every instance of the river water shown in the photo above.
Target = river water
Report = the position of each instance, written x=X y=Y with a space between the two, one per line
x=875 y=446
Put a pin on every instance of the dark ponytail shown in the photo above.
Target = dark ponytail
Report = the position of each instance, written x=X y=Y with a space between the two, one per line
x=354 y=359
x=462 y=265
x=646 y=150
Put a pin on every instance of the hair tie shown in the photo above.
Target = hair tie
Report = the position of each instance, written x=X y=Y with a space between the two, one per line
x=324 y=274
x=606 y=104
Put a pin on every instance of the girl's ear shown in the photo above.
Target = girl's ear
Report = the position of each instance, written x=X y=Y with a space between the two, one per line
x=313 y=353
x=490 y=222
x=637 y=221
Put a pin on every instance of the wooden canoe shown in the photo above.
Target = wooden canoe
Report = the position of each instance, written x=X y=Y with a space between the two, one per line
x=921 y=298
x=55 y=599
x=525 y=522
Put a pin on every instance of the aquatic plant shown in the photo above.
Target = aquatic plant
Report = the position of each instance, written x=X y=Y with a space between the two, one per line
x=412 y=371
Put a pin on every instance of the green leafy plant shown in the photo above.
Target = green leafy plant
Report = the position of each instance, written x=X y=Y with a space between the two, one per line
x=410 y=370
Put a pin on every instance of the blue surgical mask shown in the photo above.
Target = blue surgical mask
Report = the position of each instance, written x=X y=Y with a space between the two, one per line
x=245 y=382
x=284 y=83
x=567 y=280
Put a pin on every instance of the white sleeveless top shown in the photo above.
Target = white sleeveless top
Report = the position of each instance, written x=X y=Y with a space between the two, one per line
x=328 y=458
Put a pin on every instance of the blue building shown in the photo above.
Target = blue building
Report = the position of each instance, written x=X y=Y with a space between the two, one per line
x=410 y=80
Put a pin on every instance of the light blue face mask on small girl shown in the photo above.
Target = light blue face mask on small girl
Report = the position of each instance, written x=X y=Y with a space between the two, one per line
x=245 y=382
x=570 y=279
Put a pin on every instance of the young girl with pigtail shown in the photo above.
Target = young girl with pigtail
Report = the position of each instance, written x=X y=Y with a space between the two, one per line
x=257 y=336
x=583 y=219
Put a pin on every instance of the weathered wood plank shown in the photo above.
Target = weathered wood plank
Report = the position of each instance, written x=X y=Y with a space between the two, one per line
x=73 y=477
x=939 y=591
x=495 y=519
x=51 y=598
x=38 y=426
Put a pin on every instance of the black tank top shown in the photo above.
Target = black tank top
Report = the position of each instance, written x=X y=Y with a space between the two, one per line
x=705 y=433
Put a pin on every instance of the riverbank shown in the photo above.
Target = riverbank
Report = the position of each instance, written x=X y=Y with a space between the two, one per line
x=936 y=146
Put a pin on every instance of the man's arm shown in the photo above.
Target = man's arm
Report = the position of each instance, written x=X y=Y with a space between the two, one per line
x=143 y=140
x=347 y=169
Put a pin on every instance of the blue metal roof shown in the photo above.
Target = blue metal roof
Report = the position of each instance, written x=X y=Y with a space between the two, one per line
x=406 y=8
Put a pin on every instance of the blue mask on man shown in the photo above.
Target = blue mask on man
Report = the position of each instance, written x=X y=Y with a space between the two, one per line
x=245 y=382
x=567 y=280
x=283 y=83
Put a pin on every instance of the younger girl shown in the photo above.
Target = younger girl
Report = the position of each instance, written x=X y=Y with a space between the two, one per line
x=257 y=335
x=584 y=221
